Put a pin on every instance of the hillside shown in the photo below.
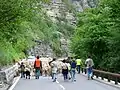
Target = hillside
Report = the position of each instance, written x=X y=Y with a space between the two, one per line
x=33 y=24
x=62 y=13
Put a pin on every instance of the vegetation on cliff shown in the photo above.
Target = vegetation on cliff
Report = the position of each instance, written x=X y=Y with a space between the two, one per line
x=22 y=22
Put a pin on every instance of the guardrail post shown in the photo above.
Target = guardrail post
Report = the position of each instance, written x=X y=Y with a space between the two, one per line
x=108 y=78
x=102 y=77
x=116 y=80
x=96 y=75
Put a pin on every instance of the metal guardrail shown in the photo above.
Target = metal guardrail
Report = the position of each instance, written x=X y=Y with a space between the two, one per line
x=8 y=74
x=103 y=74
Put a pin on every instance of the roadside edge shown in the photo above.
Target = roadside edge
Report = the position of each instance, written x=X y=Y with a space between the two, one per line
x=14 y=84
x=103 y=81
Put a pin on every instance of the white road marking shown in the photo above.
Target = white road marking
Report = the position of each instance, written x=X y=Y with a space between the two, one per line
x=13 y=86
x=60 y=85
x=18 y=78
x=57 y=82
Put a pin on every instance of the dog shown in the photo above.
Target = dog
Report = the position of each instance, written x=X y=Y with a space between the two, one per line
x=27 y=73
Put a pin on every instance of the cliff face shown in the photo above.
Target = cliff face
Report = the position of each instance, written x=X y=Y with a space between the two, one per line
x=59 y=8
x=58 y=11
x=80 y=4
x=83 y=4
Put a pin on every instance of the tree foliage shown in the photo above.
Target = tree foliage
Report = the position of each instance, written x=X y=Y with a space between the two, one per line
x=97 y=34
x=21 y=22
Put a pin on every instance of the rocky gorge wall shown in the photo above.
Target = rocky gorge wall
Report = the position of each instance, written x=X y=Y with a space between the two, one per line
x=83 y=4
x=57 y=8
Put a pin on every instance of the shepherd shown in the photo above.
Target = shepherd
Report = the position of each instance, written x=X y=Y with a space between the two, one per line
x=38 y=67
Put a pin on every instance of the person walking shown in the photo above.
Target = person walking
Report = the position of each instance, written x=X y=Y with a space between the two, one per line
x=73 y=70
x=50 y=68
x=89 y=63
x=53 y=65
x=65 y=70
x=38 y=67
x=79 y=63
x=69 y=70
x=22 y=69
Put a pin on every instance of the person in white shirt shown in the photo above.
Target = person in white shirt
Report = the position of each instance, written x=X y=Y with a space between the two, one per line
x=69 y=70
x=89 y=65
x=54 y=69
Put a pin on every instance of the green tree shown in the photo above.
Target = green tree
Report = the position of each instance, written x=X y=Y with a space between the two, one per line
x=22 y=22
x=97 y=34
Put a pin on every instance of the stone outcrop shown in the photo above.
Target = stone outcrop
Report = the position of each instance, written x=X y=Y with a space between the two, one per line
x=58 y=12
x=42 y=49
x=83 y=4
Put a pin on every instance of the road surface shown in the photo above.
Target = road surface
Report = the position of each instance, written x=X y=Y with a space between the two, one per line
x=45 y=83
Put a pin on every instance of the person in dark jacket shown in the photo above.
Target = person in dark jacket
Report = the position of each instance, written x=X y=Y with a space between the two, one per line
x=50 y=68
x=65 y=70
x=73 y=70
x=22 y=69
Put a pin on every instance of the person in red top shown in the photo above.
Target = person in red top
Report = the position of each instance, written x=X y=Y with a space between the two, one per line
x=38 y=67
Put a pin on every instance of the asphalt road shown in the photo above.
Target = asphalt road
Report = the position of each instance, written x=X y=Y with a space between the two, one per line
x=45 y=83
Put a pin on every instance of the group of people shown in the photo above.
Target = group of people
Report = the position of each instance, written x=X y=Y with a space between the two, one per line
x=68 y=70
x=69 y=67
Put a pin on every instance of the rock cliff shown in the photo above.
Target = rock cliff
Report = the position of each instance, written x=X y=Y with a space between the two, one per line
x=59 y=12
